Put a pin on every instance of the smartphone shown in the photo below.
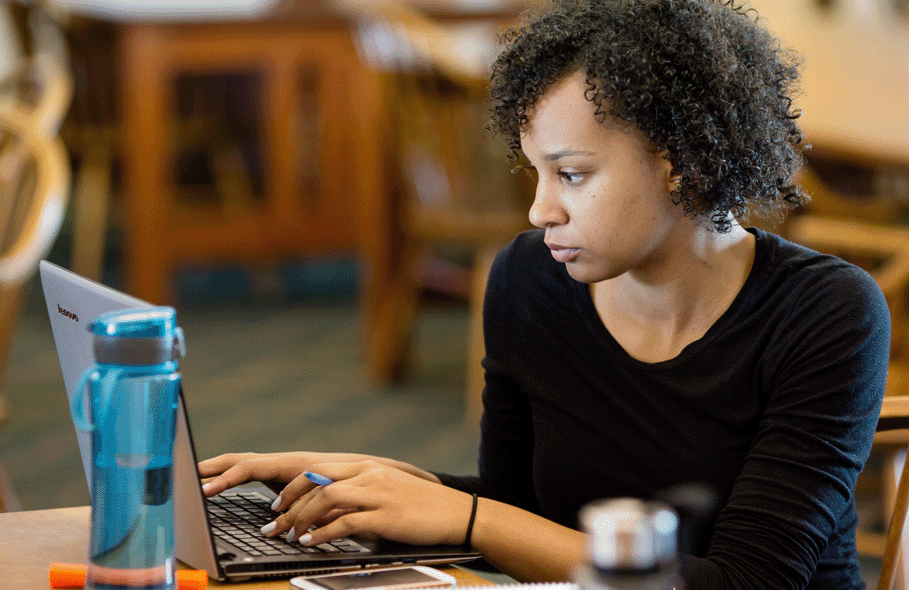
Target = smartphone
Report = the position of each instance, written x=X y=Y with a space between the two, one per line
x=417 y=576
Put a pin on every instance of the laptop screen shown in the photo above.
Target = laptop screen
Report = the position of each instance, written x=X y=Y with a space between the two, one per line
x=72 y=303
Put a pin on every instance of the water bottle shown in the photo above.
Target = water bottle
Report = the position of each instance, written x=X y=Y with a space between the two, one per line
x=132 y=398
x=632 y=545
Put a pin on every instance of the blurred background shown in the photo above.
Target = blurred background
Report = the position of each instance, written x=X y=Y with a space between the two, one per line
x=310 y=184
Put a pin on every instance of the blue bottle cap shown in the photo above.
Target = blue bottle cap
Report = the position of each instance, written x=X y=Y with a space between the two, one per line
x=150 y=322
x=138 y=336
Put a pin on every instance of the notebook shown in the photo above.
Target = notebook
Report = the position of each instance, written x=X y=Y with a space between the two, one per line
x=218 y=535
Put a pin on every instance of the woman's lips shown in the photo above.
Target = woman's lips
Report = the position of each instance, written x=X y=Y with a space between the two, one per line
x=563 y=254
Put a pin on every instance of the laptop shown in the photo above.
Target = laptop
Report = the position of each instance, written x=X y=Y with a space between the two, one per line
x=219 y=535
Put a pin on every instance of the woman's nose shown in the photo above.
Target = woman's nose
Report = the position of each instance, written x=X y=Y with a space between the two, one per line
x=546 y=209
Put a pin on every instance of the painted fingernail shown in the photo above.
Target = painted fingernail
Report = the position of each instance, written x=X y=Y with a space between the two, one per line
x=269 y=527
x=206 y=486
x=305 y=539
x=276 y=503
x=290 y=534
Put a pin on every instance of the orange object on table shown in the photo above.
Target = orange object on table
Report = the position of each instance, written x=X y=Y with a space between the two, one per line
x=72 y=575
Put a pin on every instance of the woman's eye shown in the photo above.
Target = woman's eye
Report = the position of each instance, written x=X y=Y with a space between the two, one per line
x=572 y=177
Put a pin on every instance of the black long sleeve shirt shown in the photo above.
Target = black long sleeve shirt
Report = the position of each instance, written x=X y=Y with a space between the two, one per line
x=775 y=407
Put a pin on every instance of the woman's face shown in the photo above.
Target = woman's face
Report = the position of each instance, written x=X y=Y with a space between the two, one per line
x=603 y=194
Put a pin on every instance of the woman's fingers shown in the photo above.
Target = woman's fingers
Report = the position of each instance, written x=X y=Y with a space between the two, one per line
x=331 y=472
x=332 y=515
x=343 y=471
x=297 y=487
x=218 y=465
x=339 y=498
x=225 y=471
x=348 y=524
x=309 y=504
x=245 y=468
x=303 y=484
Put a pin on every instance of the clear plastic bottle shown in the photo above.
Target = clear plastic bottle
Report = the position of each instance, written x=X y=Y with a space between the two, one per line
x=632 y=546
x=132 y=395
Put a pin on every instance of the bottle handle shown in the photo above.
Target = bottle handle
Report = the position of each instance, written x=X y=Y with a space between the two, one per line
x=77 y=407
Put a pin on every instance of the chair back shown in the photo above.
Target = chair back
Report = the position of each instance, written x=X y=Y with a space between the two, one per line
x=895 y=416
x=34 y=182
x=38 y=80
x=10 y=47
x=829 y=201
x=456 y=180
x=34 y=189
x=35 y=91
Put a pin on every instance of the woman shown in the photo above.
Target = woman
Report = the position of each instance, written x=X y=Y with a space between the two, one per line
x=642 y=338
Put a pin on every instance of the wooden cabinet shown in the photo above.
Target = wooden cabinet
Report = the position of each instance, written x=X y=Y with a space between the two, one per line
x=303 y=76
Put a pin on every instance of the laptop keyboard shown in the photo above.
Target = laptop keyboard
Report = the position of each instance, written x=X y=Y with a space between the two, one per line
x=237 y=517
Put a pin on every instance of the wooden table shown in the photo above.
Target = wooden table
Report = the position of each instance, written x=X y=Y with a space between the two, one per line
x=32 y=540
x=856 y=76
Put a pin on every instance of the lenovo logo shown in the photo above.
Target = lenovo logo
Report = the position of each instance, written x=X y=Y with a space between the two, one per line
x=68 y=314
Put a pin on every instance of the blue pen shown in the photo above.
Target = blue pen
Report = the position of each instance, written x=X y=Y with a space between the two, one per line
x=319 y=480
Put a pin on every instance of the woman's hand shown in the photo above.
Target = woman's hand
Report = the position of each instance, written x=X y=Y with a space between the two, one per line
x=278 y=469
x=373 y=499
x=226 y=471
x=384 y=498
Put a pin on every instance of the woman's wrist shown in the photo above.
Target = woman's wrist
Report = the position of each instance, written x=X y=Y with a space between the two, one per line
x=471 y=521
x=526 y=546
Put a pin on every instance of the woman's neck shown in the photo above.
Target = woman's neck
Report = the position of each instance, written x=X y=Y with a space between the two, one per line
x=658 y=309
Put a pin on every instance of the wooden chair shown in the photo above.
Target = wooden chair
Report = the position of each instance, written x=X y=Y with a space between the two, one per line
x=34 y=185
x=35 y=93
x=37 y=80
x=451 y=184
x=830 y=202
x=894 y=418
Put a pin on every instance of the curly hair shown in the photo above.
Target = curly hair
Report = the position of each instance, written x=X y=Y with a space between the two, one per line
x=709 y=86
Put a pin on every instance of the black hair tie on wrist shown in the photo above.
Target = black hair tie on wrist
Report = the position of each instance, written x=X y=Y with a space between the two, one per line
x=473 y=517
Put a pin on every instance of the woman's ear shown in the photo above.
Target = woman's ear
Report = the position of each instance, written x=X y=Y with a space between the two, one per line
x=673 y=176
x=674 y=180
